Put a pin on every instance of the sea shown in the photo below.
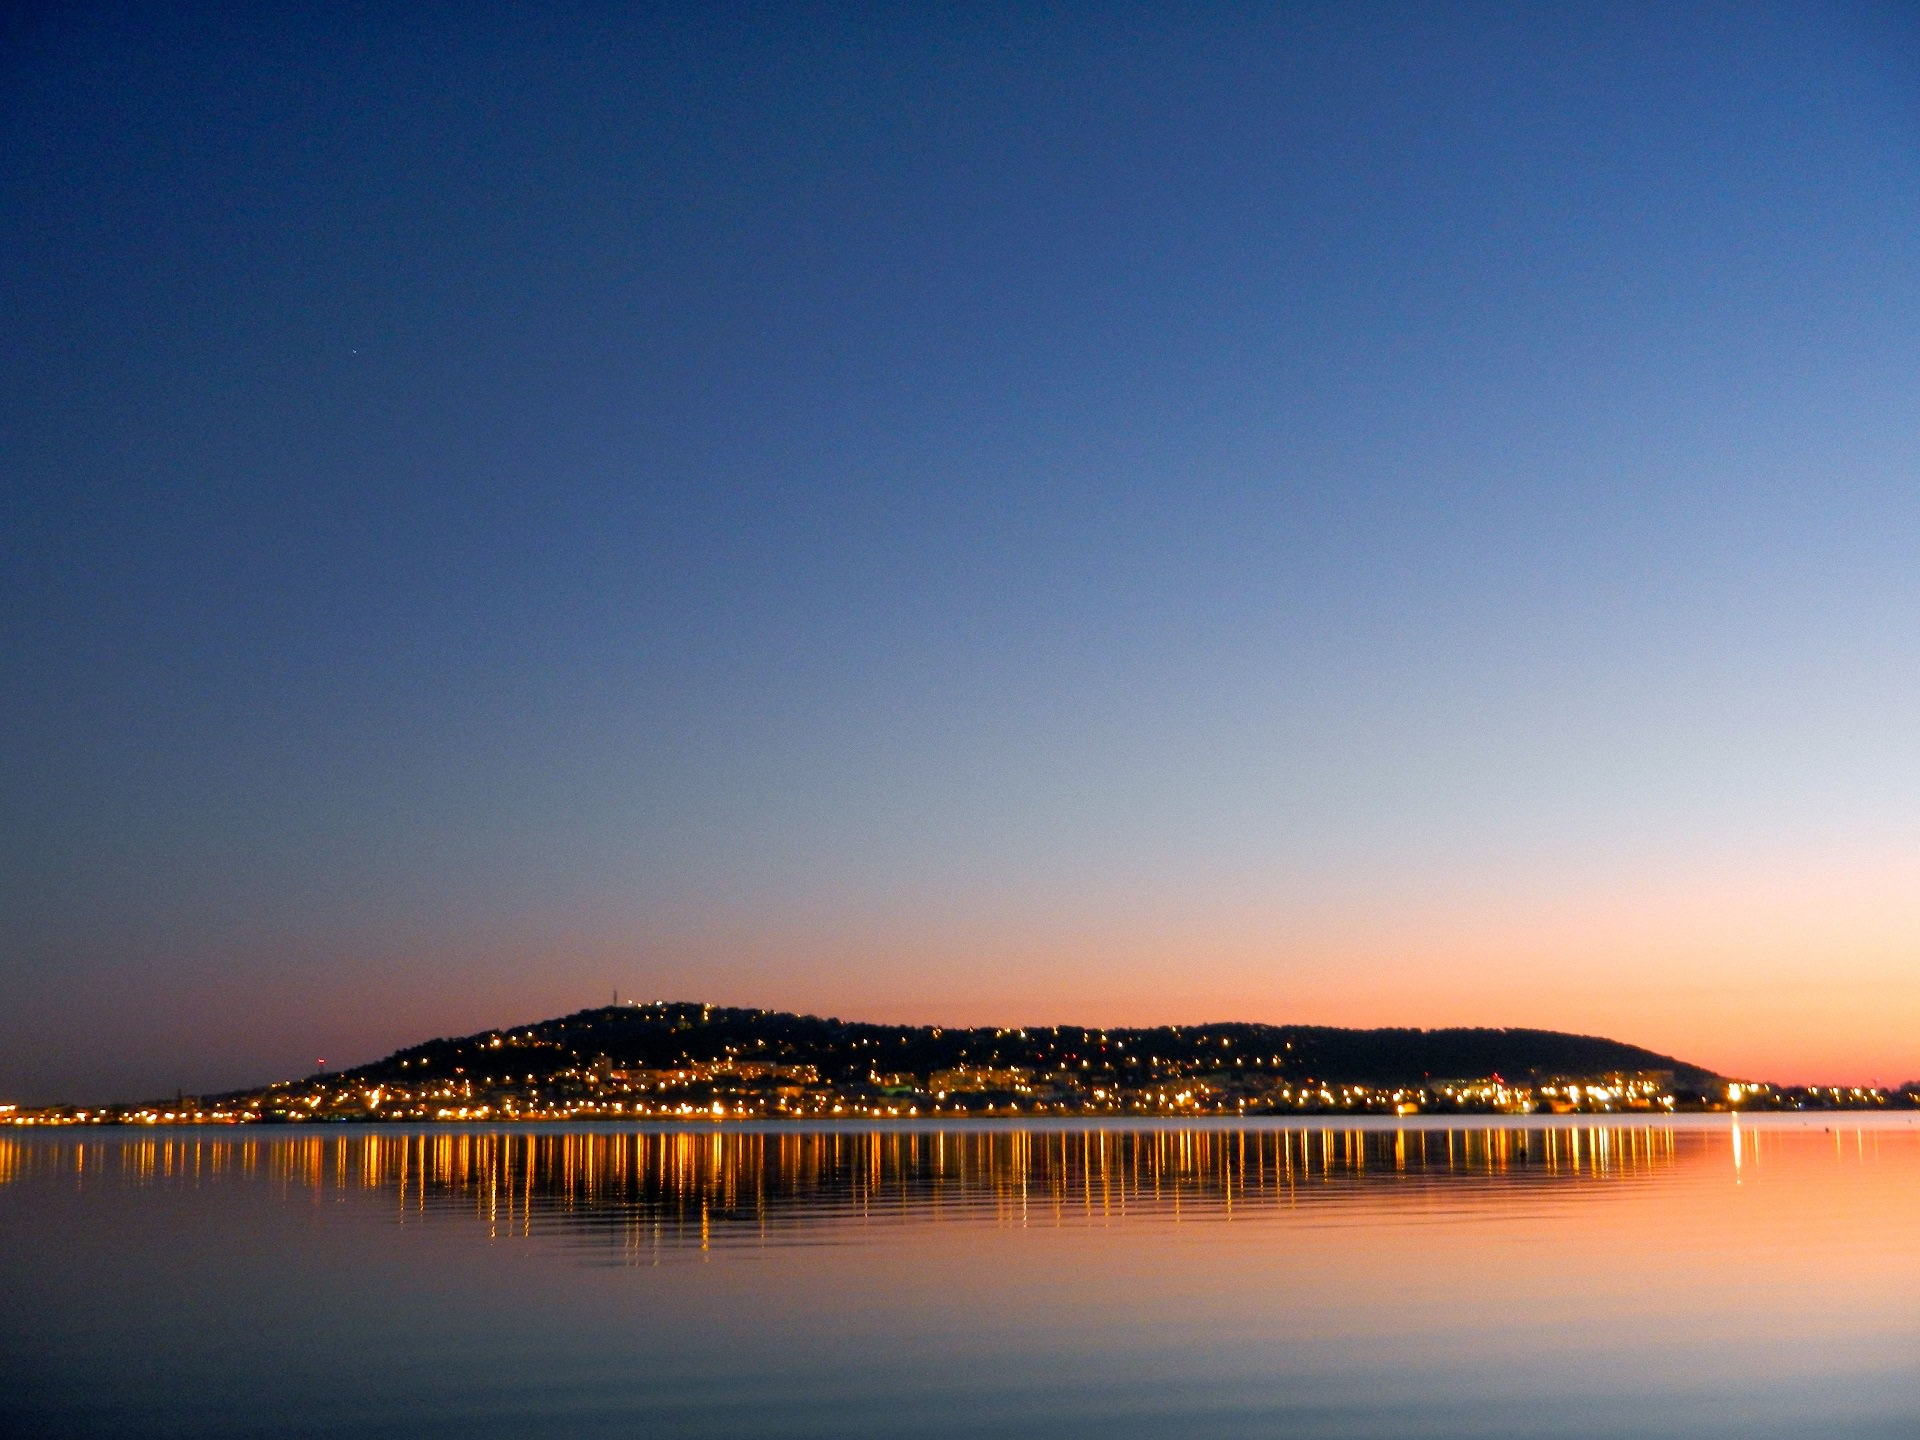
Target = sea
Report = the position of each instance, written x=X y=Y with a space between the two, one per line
x=1692 y=1276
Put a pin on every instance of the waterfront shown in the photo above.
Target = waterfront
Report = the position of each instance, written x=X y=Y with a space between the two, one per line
x=1693 y=1276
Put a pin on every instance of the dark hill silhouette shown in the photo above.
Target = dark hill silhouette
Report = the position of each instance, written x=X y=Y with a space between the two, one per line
x=663 y=1036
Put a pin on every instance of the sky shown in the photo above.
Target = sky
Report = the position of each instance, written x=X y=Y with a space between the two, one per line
x=1342 y=514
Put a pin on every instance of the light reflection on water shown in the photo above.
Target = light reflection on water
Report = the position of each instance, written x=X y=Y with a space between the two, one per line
x=1690 y=1277
x=657 y=1191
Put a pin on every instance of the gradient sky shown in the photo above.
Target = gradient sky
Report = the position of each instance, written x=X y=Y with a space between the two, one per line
x=1344 y=514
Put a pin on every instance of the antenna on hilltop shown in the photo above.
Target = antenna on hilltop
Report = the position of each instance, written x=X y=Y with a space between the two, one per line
x=616 y=994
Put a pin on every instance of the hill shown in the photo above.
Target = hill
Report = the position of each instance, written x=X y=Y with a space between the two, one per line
x=672 y=1036
x=685 y=1060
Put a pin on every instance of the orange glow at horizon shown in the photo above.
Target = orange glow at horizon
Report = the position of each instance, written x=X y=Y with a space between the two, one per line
x=1781 y=970
x=1778 y=970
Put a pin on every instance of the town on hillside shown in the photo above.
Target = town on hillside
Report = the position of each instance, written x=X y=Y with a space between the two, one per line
x=690 y=1061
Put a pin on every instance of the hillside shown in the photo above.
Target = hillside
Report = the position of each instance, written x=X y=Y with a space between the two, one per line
x=692 y=1041
x=684 y=1060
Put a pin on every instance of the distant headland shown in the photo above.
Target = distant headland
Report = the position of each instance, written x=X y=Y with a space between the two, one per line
x=686 y=1060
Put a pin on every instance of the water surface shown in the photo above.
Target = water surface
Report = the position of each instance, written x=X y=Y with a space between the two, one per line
x=1686 y=1278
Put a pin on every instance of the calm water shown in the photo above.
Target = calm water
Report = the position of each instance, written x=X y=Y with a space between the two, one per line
x=1680 y=1279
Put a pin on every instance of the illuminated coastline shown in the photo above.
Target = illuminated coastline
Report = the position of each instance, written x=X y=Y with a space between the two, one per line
x=690 y=1062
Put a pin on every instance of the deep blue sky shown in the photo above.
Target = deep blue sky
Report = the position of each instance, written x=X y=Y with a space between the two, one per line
x=1303 y=512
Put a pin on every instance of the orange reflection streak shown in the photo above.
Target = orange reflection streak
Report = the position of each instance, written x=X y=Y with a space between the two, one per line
x=646 y=1194
x=723 y=1186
